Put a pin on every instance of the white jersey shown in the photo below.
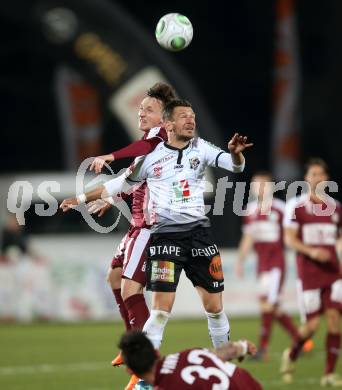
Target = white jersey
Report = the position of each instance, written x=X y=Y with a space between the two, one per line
x=176 y=183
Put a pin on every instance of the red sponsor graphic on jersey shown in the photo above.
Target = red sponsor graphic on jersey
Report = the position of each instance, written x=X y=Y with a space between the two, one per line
x=181 y=190
x=185 y=188
x=157 y=171
x=215 y=268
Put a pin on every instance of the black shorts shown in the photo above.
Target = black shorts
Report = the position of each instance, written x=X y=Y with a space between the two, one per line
x=193 y=251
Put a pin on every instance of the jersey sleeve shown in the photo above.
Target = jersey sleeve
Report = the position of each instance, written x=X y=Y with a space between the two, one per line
x=127 y=181
x=137 y=148
x=137 y=171
x=290 y=219
x=157 y=132
x=246 y=225
x=217 y=158
x=144 y=146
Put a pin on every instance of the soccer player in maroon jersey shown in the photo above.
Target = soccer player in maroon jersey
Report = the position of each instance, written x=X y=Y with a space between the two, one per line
x=262 y=228
x=126 y=274
x=196 y=368
x=313 y=229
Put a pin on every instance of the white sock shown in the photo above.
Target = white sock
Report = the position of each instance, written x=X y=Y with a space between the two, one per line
x=154 y=326
x=219 y=329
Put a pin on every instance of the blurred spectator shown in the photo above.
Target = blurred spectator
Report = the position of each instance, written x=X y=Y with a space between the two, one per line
x=14 y=240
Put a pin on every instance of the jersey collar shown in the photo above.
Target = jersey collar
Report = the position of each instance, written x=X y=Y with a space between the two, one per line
x=174 y=148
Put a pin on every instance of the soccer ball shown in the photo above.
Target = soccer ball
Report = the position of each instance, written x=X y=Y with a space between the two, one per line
x=174 y=32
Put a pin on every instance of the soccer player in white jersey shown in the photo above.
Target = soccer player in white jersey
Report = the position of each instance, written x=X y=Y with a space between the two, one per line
x=181 y=237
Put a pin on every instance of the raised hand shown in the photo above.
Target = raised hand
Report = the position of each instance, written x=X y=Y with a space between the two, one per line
x=238 y=144
x=68 y=204
x=99 y=162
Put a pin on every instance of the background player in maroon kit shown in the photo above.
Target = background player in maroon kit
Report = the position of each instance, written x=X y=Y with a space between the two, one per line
x=127 y=272
x=196 y=368
x=313 y=229
x=262 y=229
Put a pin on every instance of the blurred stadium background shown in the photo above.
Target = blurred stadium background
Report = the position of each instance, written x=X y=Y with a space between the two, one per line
x=72 y=74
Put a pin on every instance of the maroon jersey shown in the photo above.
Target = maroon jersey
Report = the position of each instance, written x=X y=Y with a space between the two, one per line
x=139 y=198
x=266 y=229
x=318 y=225
x=201 y=369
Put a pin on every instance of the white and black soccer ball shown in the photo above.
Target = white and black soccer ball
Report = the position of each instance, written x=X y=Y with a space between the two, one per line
x=174 y=32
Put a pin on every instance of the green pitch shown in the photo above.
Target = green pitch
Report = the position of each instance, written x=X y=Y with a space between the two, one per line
x=78 y=356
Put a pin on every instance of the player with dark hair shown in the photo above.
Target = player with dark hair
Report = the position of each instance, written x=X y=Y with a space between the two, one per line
x=313 y=224
x=196 y=368
x=181 y=238
x=262 y=229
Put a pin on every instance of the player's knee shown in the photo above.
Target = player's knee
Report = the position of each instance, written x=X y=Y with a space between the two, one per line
x=108 y=275
x=130 y=288
x=333 y=321
x=310 y=327
x=213 y=307
x=267 y=307
x=114 y=277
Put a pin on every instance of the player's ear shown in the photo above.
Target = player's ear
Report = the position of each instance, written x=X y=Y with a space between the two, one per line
x=168 y=125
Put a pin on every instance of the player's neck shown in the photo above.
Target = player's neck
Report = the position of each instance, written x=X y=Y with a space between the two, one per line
x=178 y=144
x=150 y=376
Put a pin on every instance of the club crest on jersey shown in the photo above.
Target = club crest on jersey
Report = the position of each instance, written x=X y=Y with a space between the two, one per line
x=194 y=162
x=157 y=171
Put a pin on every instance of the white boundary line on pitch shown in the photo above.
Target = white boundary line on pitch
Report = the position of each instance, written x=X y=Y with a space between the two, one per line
x=48 y=368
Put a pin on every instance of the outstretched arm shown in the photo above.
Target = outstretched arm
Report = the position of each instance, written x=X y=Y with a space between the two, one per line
x=319 y=254
x=235 y=350
x=111 y=188
x=245 y=247
x=135 y=149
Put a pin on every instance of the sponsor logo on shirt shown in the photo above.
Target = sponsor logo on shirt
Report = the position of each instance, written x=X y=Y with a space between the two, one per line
x=194 y=162
x=157 y=171
x=181 y=190
x=163 y=271
x=163 y=159
x=164 y=250
x=208 y=251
